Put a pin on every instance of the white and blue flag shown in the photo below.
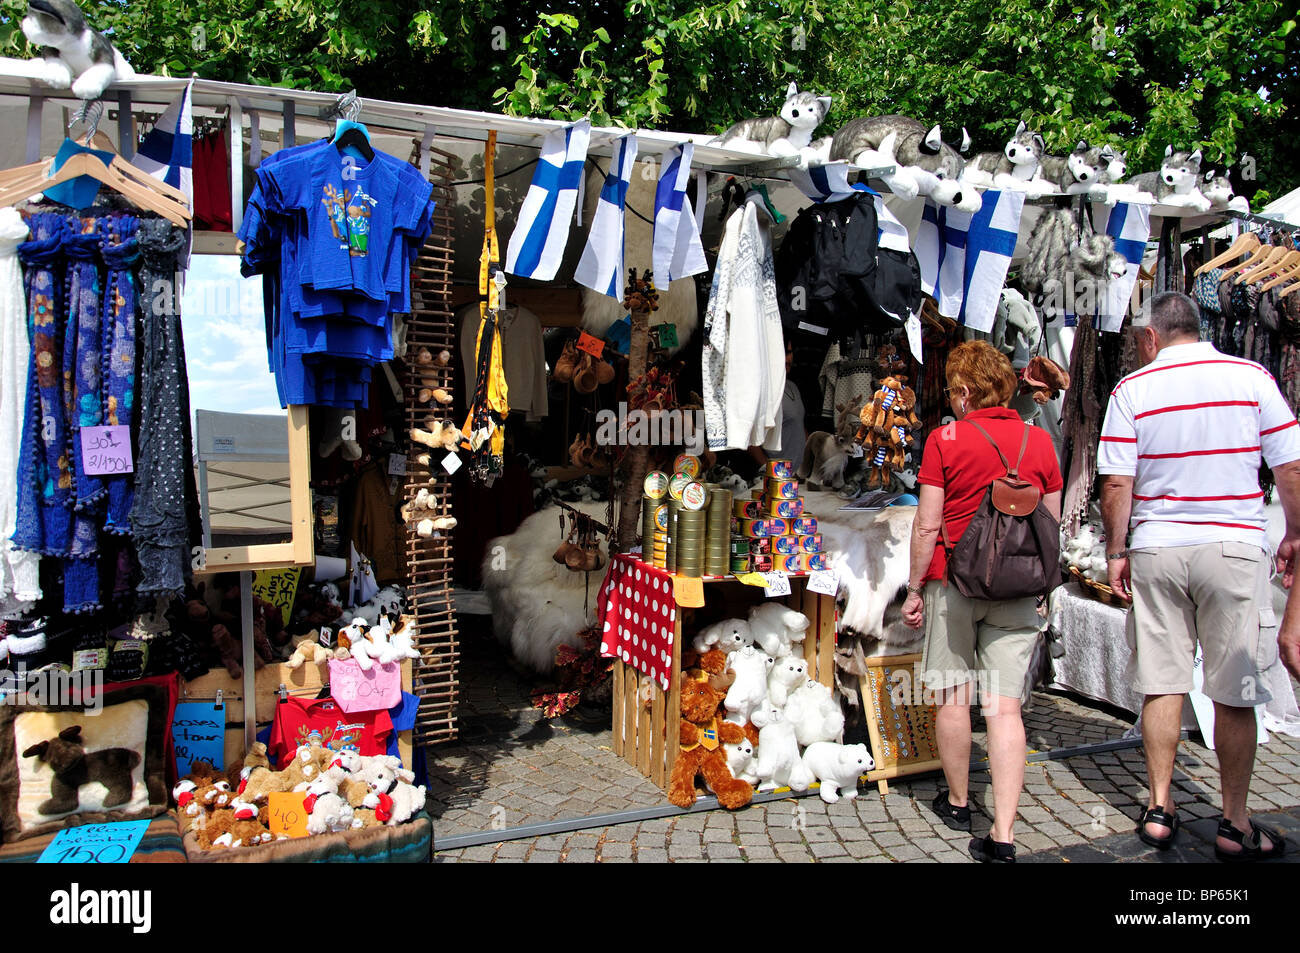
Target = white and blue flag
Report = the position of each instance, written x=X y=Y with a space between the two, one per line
x=542 y=230
x=964 y=256
x=830 y=183
x=601 y=265
x=1130 y=226
x=678 y=252
x=167 y=150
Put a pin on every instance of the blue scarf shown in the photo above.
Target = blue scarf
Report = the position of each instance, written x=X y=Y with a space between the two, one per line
x=120 y=250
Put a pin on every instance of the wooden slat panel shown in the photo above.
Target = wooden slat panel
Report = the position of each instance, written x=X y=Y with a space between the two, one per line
x=826 y=640
x=616 y=728
x=673 y=740
x=629 y=714
x=658 y=722
x=644 y=734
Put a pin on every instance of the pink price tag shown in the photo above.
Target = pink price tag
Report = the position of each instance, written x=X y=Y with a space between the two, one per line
x=355 y=690
x=107 y=450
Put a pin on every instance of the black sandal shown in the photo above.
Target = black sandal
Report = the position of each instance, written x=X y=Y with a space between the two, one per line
x=956 y=818
x=1249 y=852
x=990 y=851
x=1158 y=815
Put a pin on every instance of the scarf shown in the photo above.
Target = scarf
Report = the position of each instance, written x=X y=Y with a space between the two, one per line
x=1081 y=428
x=83 y=358
x=120 y=250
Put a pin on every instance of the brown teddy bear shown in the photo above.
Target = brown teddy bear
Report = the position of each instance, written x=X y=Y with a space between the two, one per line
x=875 y=415
x=703 y=733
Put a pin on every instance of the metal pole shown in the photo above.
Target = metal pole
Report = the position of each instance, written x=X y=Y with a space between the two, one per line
x=250 y=677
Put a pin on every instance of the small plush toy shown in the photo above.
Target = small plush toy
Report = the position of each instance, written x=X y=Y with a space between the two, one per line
x=362 y=642
x=442 y=434
x=1218 y=190
x=923 y=163
x=727 y=636
x=327 y=810
x=309 y=649
x=825 y=458
x=740 y=761
x=401 y=643
x=776 y=628
x=74 y=767
x=749 y=690
x=787 y=675
x=1177 y=182
x=1014 y=168
x=778 y=752
x=73 y=54
x=788 y=134
x=813 y=712
x=703 y=735
x=1117 y=190
x=837 y=767
x=306 y=766
x=1075 y=174
x=390 y=600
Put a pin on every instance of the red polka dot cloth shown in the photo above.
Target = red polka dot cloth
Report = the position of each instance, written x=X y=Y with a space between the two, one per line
x=637 y=615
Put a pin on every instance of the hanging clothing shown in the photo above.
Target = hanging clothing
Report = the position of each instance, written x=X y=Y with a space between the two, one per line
x=847 y=382
x=793 y=432
x=19 y=570
x=744 y=354
x=120 y=251
x=522 y=350
x=211 y=157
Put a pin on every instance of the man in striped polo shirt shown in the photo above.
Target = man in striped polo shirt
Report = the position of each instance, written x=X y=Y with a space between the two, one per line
x=1180 y=451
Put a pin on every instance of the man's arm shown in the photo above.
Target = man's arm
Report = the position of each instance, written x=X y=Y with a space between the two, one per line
x=1116 y=507
x=1288 y=636
x=1287 y=479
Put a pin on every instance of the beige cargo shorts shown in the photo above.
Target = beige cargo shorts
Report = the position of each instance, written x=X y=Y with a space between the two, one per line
x=966 y=640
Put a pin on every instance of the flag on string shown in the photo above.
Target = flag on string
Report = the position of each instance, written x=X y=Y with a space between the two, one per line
x=964 y=256
x=678 y=252
x=167 y=150
x=601 y=265
x=542 y=230
x=1130 y=226
x=830 y=183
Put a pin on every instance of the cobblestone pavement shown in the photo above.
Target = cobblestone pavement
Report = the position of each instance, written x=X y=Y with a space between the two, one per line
x=511 y=768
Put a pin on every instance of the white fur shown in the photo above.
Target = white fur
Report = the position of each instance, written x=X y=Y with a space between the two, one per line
x=838 y=768
x=778 y=752
x=740 y=759
x=749 y=690
x=536 y=602
x=727 y=635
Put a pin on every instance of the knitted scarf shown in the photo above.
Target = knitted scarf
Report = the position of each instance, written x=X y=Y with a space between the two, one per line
x=83 y=358
x=120 y=250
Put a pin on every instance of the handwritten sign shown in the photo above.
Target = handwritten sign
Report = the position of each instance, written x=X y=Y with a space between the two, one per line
x=278 y=587
x=355 y=690
x=107 y=450
x=825 y=581
x=778 y=584
x=688 y=591
x=95 y=843
x=199 y=734
x=753 y=579
x=591 y=344
x=288 y=813
x=665 y=334
x=397 y=464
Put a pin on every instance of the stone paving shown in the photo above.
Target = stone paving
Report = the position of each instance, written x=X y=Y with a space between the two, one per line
x=512 y=768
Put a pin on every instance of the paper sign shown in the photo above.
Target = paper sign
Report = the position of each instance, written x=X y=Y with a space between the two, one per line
x=107 y=450
x=688 y=591
x=355 y=690
x=199 y=734
x=89 y=659
x=278 y=587
x=825 y=581
x=451 y=463
x=325 y=636
x=753 y=579
x=95 y=843
x=856 y=450
x=778 y=584
x=665 y=334
x=913 y=327
x=592 y=345
x=397 y=464
x=288 y=813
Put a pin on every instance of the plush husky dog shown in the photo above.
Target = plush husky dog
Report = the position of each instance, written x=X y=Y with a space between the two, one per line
x=1218 y=190
x=1112 y=177
x=1015 y=167
x=925 y=164
x=783 y=135
x=1076 y=173
x=74 y=54
x=1176 y=182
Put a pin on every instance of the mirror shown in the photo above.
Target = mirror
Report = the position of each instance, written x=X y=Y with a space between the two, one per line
x=251 y=456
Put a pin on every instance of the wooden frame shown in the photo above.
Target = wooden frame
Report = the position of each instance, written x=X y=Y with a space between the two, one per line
x=890 y=766
x=650 y=740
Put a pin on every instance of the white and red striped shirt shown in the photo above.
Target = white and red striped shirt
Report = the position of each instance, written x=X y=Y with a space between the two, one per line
x=1190 y=428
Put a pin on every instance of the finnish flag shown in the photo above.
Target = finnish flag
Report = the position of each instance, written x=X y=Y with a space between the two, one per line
x=167 y=150
x=601 y=265
x=830 y=183
x=964 y=256
x=678 y=252
x=1130 y=225
x=537 y=243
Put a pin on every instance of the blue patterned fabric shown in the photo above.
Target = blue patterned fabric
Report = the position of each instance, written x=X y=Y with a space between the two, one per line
x=120 y=250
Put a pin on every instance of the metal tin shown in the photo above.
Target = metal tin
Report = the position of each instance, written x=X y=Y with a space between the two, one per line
x=804 y=526
x=816 y=561
x=782 y=490
x=656 y=484
x=810 y=544
x=747 y=509
x=687 y=463
x=760 y=563
x=661 y=517
x=785 y=545
x=778 y=526
x=780 y=469
x=740 y=564
x=785 y=508
x=760 y=547
x=789 y=563
x=694 y=496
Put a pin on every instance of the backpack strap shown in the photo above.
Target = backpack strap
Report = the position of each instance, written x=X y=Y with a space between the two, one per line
x=1024 y=443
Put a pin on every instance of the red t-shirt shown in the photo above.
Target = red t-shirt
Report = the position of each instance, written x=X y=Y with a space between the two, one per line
x=302 y=721
x=958 y=460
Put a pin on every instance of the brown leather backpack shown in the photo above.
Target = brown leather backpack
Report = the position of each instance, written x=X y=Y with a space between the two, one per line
x=1012 y=547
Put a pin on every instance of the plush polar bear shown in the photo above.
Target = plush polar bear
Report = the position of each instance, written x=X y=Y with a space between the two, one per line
x=775 y=627
x=778 y=752
x=787 y=675
x=837 y=767
x=749 y=690
x=813 y=712
x=727 y=635
x=740 y=759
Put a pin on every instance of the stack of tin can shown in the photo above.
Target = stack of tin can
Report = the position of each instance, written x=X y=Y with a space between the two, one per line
x=654 y=519
x=717 y=532
x=773 y=532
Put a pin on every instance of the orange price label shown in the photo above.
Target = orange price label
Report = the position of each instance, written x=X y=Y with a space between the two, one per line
x=592 y=345
x=288 y=813
x=688 y=591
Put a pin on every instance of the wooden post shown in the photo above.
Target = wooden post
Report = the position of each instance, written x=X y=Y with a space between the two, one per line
x=636 y=462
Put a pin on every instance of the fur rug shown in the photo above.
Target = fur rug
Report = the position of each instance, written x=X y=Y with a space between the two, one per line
x=537 y=604
x=678 y=304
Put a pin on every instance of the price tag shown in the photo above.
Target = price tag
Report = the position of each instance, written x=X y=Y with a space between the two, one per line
x=592 y=345
x=753 y=579
x=665 y=334
x=825 y=581
x=451 y=463
x=778 y=584
x=688 y=591
x=89 y=659
x=95 y=843
x=913 y=327
x=288 y=813
x=397 y=464
x=107 y=450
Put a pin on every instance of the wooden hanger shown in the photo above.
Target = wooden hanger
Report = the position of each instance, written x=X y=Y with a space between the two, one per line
x=139 y=187
x=1287 y=269
x=1246 y=242
x=1266 y=267
x=1261 y=253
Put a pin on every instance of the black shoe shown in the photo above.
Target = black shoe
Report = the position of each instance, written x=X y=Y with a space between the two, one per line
x=990 y=851
x=1158 y=815
x=957 y=818
x=1252 y=843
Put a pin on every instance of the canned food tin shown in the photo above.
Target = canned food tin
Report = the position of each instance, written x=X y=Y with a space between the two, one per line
x=694 y=496
x=810 y=544
x=747 y=509
x=656 y=484
x=780 y=469
x=785 y=545
x=789 y=563
x=740 y=564
x=804 y=526
x=676 y=483
x=661 y=517
x=740 y=547
x=778 y=526
x=815 y=561
x=782 y=489
x=785 y=508
x=760 y=547
x=687 y=463
x=760 y=563
x=753 y=528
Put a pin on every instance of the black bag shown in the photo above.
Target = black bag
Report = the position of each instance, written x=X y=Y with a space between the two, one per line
x=1012 y=547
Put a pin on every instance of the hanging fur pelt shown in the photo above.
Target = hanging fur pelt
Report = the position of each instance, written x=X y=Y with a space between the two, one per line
x=1060 y=244
x=676 y=305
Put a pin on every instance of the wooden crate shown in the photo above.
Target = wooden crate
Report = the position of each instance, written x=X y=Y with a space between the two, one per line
x=649 y=739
